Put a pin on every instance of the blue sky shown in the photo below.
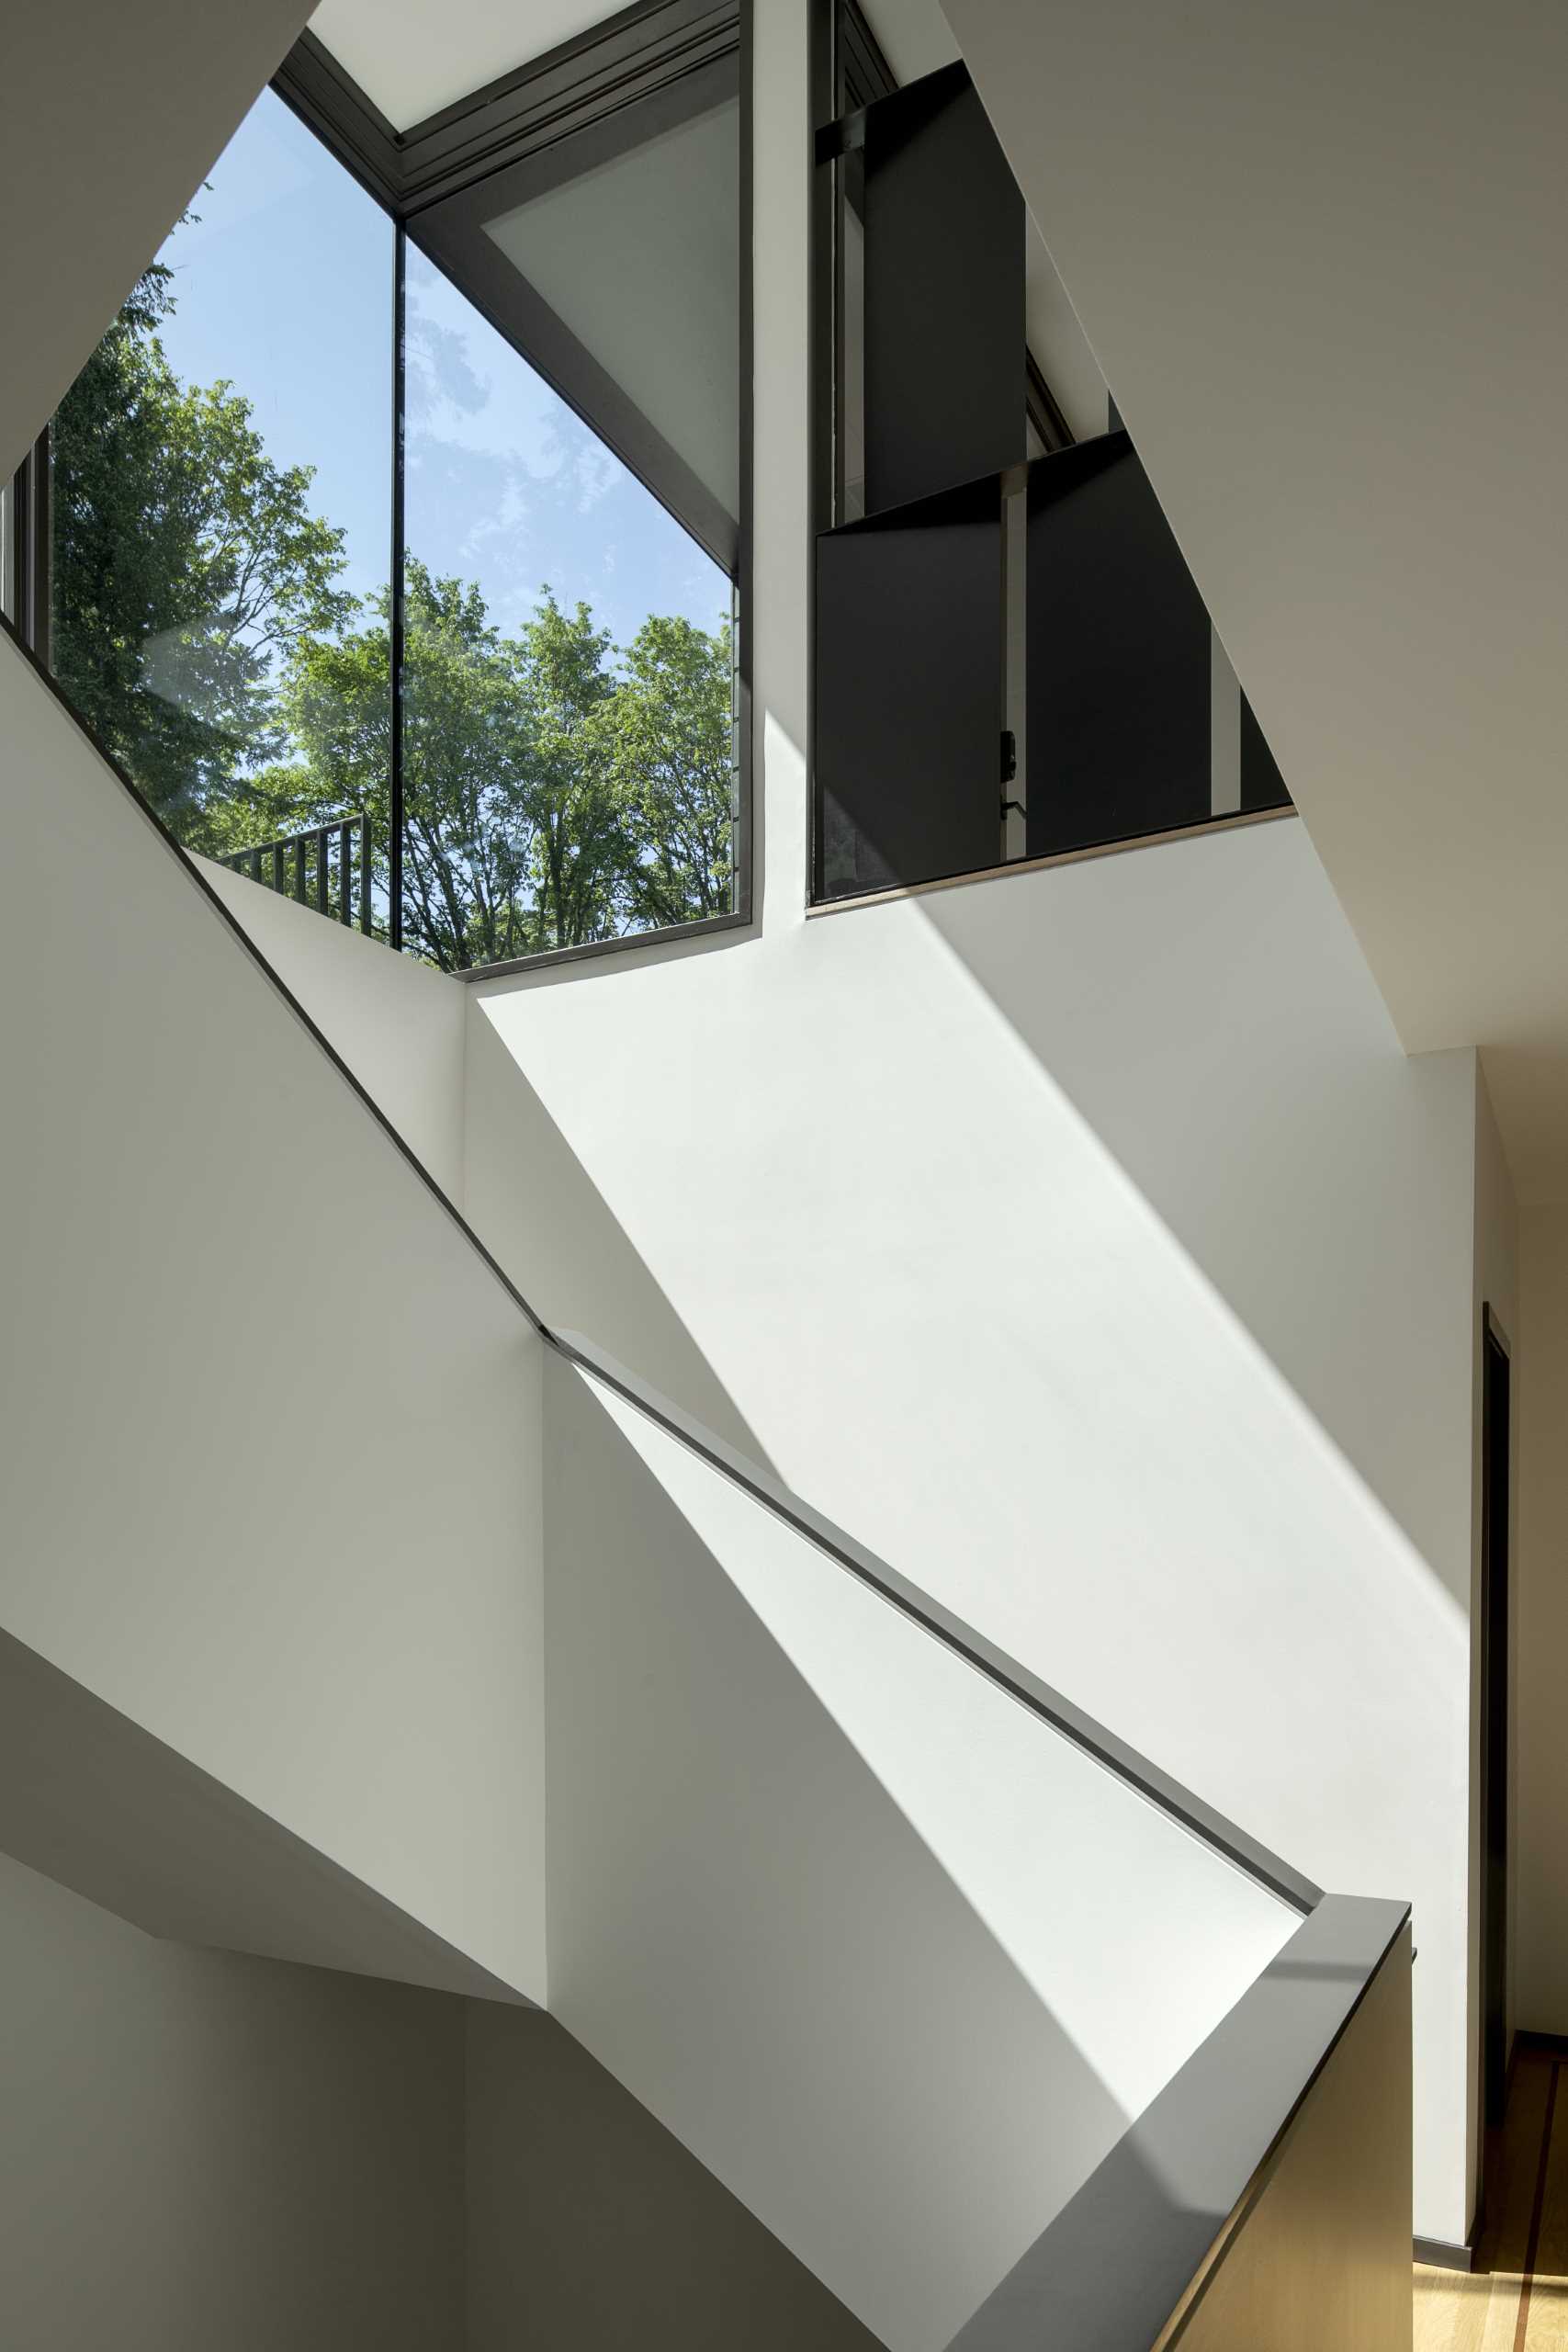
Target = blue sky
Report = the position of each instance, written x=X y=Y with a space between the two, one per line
x=284 y=286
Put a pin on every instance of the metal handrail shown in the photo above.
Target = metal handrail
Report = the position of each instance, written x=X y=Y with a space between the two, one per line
x=1201 y=1820
x=275 y=855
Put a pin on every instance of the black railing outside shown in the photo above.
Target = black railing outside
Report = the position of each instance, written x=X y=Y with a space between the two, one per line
x=302 y=865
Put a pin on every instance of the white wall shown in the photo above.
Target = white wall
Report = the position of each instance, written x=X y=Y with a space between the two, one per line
x=588 y=2223
x=198 y=2149
x=865 y=1936
x=397 y=1022
x=1541 y=1586
x=1084 y=1242
x=270 y=1428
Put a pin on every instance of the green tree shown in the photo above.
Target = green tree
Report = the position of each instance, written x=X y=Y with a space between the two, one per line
x=569 y=787
x=467 y=835
x=555 y=793
x=518 y=834
x=670 y=729
x=184 y=561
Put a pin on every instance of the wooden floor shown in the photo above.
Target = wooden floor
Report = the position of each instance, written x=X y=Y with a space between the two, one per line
x=1518 y=2300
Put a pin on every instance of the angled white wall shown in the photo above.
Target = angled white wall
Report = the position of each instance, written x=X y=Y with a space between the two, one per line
x=269 y=1427
x=895 y=1960
x=114 y=113
x=1316 y=254
x=1084 y=1241
x=199 y=2149
x=398 y=1024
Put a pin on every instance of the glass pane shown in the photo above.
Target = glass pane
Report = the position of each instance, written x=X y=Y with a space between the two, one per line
x=657 y=306
x=222 y=489
x=567 y=748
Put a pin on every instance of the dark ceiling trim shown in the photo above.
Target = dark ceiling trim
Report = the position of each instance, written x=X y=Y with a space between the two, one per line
x=863 y=73
x=350 y=125
x=617 y=63
x=626 y=59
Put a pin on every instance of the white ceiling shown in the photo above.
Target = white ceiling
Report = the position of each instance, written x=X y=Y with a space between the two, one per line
x=1319 y=254
x=414 y=57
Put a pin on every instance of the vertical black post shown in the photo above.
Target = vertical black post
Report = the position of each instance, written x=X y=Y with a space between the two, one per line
x=395 y=683
x=277 y=882
x=744 y=828
x=822 y=365
x=345 y=872
x=1495 y=1457
x=365 y=874
x=31 y=549
x=324 y=872
x=300 y=849
x=41 y=588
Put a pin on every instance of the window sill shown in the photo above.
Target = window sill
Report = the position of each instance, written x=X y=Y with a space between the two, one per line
x=550 y=958
x=1043 y=864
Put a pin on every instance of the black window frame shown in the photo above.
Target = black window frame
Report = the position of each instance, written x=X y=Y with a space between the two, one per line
x=601 y=83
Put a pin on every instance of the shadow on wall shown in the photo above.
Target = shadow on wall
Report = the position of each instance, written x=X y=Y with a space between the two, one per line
x=99 y=1805
x=589 y=2224
x=748 y=1931
x=1237 y=1063
x=535 y=1206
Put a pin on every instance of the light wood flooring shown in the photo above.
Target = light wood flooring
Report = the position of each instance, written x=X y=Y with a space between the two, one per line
x=1518 y=2300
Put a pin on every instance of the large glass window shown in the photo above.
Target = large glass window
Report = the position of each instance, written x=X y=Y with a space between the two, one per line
x=482 y=700
x=220 y=501
x=572 y=362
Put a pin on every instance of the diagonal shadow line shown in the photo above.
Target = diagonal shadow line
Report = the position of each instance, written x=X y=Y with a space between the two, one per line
x=749 y=1799
x=91 y=1799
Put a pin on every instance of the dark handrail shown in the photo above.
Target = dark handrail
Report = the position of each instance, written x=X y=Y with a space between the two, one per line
x=274 y=854
x=1201 y=1820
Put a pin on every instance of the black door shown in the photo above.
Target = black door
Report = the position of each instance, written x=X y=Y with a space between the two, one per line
x=1496 y=1409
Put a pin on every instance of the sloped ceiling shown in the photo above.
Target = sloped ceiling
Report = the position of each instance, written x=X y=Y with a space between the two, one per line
x=113 y=115
x=1319 y=256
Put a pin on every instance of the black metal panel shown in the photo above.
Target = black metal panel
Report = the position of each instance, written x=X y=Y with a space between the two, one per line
x=1262 y=785
x=1119 y=657
x=909 y=693
x=944 y=272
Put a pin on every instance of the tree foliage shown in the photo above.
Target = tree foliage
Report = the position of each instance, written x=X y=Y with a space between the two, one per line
x=555 y=791
x=184 y=561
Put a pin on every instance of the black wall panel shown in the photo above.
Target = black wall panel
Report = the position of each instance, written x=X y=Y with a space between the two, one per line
x=1118 y=657
x=944 y=275
x=909 y=693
